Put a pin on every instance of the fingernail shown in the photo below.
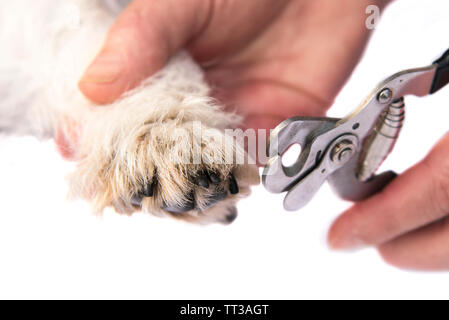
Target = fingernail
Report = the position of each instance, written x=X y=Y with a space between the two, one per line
x=106 y=68
x=346 y=244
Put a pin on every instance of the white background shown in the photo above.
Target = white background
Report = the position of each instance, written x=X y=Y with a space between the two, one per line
x=52 y=248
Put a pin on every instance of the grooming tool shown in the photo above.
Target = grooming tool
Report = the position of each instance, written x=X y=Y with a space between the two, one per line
x=347 y=152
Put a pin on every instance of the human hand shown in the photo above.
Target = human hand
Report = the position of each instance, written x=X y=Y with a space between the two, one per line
x=270 y=59
x=407 y=221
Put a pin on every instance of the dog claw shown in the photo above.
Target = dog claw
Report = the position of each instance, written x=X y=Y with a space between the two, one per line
x=186 y=206
x=233 y=186
x=213 y=199
x=148 y=189
x=179 y=209
x=203 y=180
x=231 y=216
x=214 y=178
x=136 y=200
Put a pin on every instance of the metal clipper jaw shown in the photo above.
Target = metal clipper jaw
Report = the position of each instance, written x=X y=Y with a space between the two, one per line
x=347 y=152
x=335 y=162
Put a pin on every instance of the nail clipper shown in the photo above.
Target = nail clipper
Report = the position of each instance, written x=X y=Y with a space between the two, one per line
x=347 y=152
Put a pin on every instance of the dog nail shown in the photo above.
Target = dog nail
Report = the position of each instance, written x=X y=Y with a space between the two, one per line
x=214 y=198
x=188 y=205
x=148 y=189
x=231 y=216
x=202 y=180
x=233 y=186
x=214 y=178
x=136 y=200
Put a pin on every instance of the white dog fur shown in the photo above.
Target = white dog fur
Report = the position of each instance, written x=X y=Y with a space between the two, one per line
x=130 y=144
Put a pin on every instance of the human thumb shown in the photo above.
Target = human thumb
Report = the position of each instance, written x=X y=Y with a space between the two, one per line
x=139 y=43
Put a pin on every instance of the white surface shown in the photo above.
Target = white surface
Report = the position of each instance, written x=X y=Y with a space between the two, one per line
x=51 y=248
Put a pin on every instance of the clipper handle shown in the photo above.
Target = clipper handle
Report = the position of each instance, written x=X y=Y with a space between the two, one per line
x=379 y=144
x=441 y=77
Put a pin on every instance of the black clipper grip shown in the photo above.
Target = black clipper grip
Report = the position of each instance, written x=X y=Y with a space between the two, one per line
x=441 y=77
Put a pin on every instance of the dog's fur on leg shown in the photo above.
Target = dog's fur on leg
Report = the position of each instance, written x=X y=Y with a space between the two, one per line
x=127 y=152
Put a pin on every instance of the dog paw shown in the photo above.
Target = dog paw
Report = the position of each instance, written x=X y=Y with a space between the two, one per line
x=168 y=170
x=210 y=196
